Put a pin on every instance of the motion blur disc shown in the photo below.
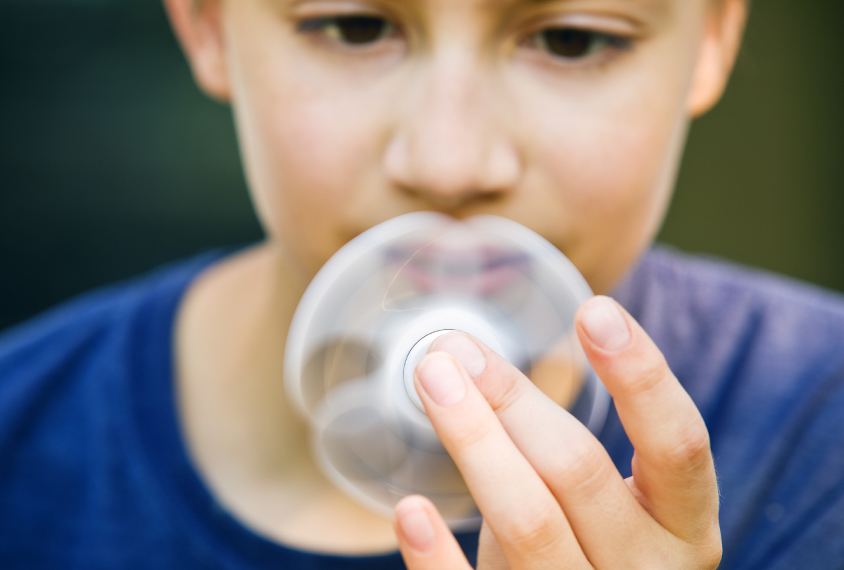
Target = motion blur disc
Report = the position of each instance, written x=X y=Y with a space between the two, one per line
x=372 y=311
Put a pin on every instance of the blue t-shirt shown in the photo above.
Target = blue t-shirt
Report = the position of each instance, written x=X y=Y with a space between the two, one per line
x=94 y=472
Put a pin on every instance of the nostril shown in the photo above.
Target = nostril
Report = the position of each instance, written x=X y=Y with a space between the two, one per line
x=452 y=157
x=435 y=171
x=448 y=178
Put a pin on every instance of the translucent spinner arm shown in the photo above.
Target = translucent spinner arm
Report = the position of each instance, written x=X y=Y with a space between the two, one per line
x=372 y=311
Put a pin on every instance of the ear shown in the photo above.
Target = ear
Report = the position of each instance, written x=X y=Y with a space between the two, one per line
x=722 y=40
x=198 y=27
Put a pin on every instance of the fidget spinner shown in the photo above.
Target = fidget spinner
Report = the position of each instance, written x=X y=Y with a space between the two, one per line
x=371 y=313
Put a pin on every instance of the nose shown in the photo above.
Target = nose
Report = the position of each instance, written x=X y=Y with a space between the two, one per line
x=450 y=145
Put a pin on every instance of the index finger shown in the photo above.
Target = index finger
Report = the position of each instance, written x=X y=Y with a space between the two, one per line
x=673 y=467
x=513 y=499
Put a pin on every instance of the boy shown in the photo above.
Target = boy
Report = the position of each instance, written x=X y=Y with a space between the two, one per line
x=147 y=426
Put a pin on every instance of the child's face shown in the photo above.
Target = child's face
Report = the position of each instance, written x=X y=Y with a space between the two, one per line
x=567 y=116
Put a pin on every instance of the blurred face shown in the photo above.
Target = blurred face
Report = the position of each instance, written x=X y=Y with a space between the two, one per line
x=567 y=116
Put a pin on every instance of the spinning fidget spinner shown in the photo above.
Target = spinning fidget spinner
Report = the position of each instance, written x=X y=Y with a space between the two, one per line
x=371 y=313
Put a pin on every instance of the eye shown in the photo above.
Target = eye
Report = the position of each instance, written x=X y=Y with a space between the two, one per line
x=352 y=30
x=573 y=43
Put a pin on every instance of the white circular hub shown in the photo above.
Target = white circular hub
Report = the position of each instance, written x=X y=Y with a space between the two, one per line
x=416 y=354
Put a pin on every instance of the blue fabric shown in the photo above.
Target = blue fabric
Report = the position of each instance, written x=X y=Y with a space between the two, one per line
x=94 y=473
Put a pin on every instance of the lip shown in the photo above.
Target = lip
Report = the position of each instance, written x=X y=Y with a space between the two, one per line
x=481 y=270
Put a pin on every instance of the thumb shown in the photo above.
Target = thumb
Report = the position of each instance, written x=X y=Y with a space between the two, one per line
x=425 y=541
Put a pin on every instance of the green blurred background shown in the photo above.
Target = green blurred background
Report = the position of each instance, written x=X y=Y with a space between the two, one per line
x=112 y=162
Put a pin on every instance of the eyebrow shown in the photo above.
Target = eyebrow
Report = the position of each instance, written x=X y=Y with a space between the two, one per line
x=650 y=9
x=647 y=4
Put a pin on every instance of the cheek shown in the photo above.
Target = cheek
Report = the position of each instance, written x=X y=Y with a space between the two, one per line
x=315 y=152
x=606 y=164
x=618 y=180
x=604 y=161
x=308 y=154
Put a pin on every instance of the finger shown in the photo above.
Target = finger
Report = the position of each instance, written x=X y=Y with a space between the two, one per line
x=673 y=468
x=602 y=512
x=490 y=555
x=426 y=543
x=522 y=513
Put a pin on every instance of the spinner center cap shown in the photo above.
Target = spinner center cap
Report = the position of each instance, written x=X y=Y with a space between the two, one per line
x=419 y=350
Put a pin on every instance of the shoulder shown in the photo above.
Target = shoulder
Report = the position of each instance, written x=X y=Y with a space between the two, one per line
x=747 y=345
x=70 y=436
x=64 y=345
x=703 y=283
x=77 y=318
x=708 y=313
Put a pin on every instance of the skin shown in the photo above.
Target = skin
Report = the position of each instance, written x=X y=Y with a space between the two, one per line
x=462 y=109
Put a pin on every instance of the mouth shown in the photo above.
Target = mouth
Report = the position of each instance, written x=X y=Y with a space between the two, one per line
x=457 y=267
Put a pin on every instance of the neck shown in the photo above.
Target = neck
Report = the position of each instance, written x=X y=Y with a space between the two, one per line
x=247 y=442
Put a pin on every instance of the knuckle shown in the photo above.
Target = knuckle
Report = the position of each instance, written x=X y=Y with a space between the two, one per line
x=471 y=436
x=708 y=552
x=583 y=471
x=653 y=371
x=503 y=392
x=712 y=556
x=712 y=547
x=535 y=531
x=703 y=553
x=689 y=452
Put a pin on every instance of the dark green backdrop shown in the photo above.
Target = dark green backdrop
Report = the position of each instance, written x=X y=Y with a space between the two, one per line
x=111 y=162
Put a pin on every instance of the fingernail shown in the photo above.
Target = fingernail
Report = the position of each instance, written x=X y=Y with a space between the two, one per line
x=464 y=350
x=415 y=525
x=441 y=379
x=605 y=325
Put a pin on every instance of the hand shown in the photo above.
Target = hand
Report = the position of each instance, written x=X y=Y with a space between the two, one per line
x=548 y=491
